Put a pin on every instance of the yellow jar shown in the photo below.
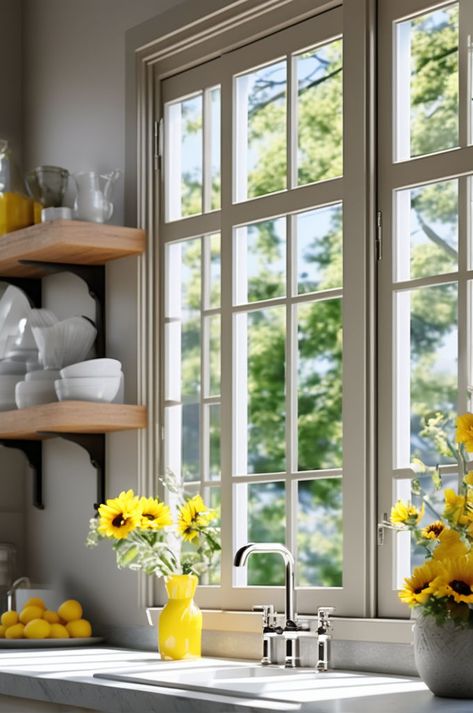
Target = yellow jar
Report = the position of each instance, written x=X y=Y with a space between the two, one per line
x=180 y=623
x=16 y=211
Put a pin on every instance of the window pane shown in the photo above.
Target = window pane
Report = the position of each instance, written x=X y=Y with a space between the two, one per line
x=214 y=271
x=260 y=261
x=261 y=131
x=427 y=230
x=214 y=467
x=426 y=375
x=191 y=441
x=408 y=553
x=319 y=249
x=266 y=523
x=266 y=391
x=427 y=91
x=183 y=158
x=215 y=148
x=183 y=305
x=212 y=497
x=319 y=113
x=319 y=533
x=212 y=325
x=319 y=389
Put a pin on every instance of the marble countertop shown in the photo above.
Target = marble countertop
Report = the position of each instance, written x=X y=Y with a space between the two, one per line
x=65 y=676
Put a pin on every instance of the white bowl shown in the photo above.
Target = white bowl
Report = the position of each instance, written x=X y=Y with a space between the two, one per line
x=65 y=342
x=33 y=393
x=42 y=375
x=12 y=367
x=92 y=368
x=88 y=388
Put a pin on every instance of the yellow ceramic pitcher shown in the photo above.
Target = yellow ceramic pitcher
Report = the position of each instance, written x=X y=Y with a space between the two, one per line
x=180 y=623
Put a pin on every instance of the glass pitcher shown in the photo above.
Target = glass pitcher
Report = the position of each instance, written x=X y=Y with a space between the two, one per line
x=93 y=200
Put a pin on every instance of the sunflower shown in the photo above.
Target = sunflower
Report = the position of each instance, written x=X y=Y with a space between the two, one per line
x=468 y=479
x=456 y=580
x=433 y=531
x=154 y=514
x=450 y=545
x=454 y=509
x=193 y=516
x=119 y=516
x=418 y=587
x=404 y=513
x=465 y=431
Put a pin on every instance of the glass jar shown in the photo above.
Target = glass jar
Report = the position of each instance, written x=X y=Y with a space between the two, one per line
x=16 y=208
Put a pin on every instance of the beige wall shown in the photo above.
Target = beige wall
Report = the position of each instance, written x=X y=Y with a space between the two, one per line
x=74 y=98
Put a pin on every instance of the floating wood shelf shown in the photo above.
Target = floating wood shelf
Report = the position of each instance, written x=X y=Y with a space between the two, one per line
x=40 y=422
x=66 y=241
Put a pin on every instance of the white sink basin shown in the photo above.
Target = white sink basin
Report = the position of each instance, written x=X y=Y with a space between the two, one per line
x=263 y=682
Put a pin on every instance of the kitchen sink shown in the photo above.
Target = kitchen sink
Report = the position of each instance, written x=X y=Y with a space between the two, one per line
x=274 y=683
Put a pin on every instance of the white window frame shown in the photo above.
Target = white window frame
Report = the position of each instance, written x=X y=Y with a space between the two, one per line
x=219 y=32
x=395 y=175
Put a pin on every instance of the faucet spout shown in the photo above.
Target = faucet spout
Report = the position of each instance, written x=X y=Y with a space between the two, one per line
x=11 y=594
x=241 y=558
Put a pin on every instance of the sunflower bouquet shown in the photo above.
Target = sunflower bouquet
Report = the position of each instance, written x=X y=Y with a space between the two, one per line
x=149 y=535
x=442 y=587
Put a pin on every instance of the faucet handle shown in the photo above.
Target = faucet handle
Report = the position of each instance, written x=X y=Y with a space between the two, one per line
x=323 y=619
x=269 y=614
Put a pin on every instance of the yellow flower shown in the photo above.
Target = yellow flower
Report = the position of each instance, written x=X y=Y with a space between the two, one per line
x=456 y=580
x=433 y=531
x=454 y=509
x=465 y=431
x=154 y=514
x=450 y=546
x=193 y=516
x=468 y=479
x=403 y=513
x=418 y=587
x=119 y=516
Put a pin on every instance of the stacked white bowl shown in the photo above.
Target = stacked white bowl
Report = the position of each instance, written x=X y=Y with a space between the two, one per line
x=91 y=380
x=11 y=372
x=37 y=388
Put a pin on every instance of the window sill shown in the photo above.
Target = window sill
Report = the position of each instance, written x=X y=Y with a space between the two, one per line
x=389 y=631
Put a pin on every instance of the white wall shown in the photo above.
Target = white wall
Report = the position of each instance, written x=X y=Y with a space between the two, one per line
x=74 y=98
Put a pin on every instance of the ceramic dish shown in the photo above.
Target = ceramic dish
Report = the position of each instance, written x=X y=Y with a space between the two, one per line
x=65 y=342
x=88 y=389
x=48 y=643
x=34 y=393
x=92 y=367
x=14 y=308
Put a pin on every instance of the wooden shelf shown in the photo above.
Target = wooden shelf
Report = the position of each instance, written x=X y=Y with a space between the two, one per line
x=70 y=417
x=66 y=241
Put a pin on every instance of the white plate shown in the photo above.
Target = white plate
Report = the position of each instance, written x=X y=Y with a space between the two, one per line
x=48 y=643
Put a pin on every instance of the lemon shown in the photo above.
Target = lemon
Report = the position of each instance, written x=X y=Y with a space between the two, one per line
x=2 y=631
x=29 y=613
x=70 y=610
x=37 y=629
x=51 y=616
x=58 y=631
x=79 y=628
x=35 y=602
x=9 y=618
x=15 y=632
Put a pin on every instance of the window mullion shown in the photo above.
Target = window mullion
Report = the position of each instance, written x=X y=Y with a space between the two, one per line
x=464 y=290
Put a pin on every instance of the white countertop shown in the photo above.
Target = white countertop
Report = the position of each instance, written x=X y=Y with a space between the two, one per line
x=65 y=676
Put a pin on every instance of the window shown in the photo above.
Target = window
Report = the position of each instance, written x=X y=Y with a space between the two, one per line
x=260 y=342
x=425 y=278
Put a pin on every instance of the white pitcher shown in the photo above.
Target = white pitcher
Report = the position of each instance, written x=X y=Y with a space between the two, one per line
x=93 y=195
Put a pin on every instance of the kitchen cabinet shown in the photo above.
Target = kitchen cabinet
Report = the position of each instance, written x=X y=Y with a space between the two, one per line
x=82 y=248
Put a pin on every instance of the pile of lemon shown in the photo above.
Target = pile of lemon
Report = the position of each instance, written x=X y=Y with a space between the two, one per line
x=35 y=621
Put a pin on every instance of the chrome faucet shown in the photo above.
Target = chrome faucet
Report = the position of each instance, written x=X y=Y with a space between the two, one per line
x=323 y=636
x=11 y=594
x=252 y=548
x=290 y=629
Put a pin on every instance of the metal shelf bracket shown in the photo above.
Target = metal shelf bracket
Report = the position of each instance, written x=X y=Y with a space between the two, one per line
x=94 y=444
x=33 y=451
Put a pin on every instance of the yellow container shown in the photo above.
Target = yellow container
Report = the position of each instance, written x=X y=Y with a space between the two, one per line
x=180 y=623
x=16 y=211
